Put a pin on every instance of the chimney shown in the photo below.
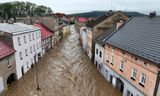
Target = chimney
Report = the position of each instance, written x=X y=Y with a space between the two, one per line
x=119 y=24
x=110 y=12
x=152 y=14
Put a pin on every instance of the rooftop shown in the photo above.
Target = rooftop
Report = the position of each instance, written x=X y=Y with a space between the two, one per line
x=140 y=36
x=16 y=28
x=45 y=32
x=105 y=34
x=5 y=49
x=101 y=18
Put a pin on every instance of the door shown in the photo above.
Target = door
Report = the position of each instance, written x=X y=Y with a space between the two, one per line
x=111 y=77
x=22 y=69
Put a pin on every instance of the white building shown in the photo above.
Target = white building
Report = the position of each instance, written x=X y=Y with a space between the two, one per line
x=99 y=54
x=26 y=40
x=99 y=48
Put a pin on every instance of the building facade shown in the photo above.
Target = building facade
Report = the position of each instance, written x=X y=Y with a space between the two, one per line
x=101 y=24
x=131 y=62
x=46 y=37
x=7 y=65
x=26 y=40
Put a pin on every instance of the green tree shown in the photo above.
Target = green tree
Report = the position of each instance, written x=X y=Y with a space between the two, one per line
x=22 y=9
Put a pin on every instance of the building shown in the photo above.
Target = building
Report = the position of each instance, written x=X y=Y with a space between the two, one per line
x=99 y=47
x=83 y=37
x=98 y=26
x=26 y=40
x=132 y=57
x=7 y=65
x=46 y=37
x=51 y=22
x=81 y=27
x=65 y=30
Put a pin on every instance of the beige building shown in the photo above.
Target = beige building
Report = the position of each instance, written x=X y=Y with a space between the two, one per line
x=7 y=65
x=100 y=25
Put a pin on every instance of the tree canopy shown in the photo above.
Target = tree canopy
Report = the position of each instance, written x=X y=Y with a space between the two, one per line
x=22 y=9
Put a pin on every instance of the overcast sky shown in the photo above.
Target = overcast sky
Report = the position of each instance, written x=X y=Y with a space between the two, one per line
x=77 y=6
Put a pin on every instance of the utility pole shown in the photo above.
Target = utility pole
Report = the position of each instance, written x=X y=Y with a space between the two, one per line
x=37 y=80
x=38 y=89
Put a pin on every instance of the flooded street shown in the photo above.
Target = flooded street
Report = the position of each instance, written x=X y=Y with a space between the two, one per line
x=64 y=71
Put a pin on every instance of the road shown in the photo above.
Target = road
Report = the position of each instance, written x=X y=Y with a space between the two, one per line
x=64 y=71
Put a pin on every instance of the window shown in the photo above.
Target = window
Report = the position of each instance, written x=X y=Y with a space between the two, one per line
x=97 y=51
x=112 y=49
x=19 y=41
x=9 y=63
x=112 y=59
x=25 y=39
x=34 y=48
x=107 y=57
x=129 y=93
x=133 y=75
x=29 y=37
x=136 y=58
x=100 y=54
x=122 y=66
x=31 y=49
x=142 y=80
x=33 y=36
x=37 y=45
x=27 y=64
x=26 y=52
x=37 y=35
x=20 y=55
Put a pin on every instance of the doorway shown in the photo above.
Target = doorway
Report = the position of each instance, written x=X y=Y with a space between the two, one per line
x=120 y=85
x=11 y=79
x=22 y=69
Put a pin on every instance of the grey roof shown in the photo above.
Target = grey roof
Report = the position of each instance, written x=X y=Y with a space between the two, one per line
x=140 y=36
x=105 y=34
x=16 y=28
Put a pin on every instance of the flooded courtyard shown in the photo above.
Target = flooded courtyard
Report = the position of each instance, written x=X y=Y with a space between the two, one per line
x=65 y=70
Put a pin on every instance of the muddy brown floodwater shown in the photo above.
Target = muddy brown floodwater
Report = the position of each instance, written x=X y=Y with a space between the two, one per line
x=64 y=71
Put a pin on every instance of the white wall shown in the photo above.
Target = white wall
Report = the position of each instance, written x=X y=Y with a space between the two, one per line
x=22 y=47
x=1 y=85
x=97 y=57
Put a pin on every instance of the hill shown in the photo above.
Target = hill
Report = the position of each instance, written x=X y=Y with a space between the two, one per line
x=94 y=14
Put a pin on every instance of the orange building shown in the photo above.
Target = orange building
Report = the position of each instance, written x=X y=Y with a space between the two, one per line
x=132 y=57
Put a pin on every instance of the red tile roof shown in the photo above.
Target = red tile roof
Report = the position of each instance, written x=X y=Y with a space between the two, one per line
x=45 y=31
x=82 y=20
x=5 y=49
